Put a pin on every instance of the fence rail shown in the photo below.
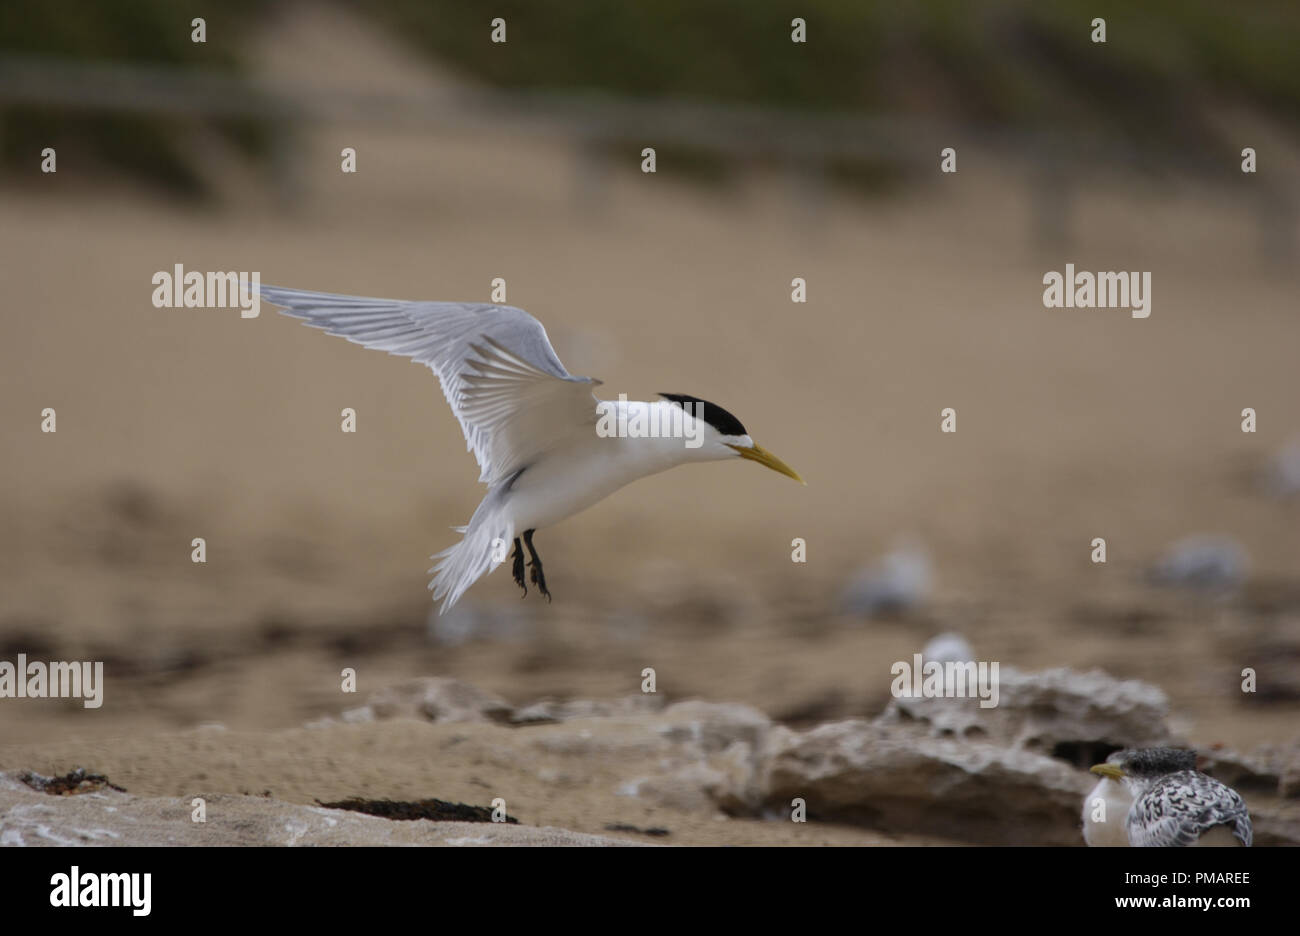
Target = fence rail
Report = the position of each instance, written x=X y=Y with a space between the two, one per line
x=808 y=143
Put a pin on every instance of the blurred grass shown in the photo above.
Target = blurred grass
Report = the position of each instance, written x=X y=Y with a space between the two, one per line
x=157 y=32
x=1166 y=68
x=1009 y=61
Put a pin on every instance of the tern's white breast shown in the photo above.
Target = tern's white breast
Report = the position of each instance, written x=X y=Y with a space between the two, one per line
x=1108 y=798
x=584 y=470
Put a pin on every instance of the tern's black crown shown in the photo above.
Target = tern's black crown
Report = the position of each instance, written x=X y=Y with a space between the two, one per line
x=1153 y=762
x=711 y=413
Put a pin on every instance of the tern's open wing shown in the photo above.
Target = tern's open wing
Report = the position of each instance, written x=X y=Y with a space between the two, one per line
x=509 y=391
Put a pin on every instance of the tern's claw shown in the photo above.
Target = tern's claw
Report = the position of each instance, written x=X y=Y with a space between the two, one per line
x=539 y=578
x=535 y=567
x=518 y=568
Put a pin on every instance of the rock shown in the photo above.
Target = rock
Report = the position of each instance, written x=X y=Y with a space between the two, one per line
x=724 y=781
x=1272 y=830
x=436 y=698
x=703 y=752
x=713 y=726
x=943 y=768
x=864 y=772
x=714 y=750
x=1289 y=784
x=1272 y=768
x=1080 y=717
x=897 y=583
x=1276 y=825
x=1261 y=772
x=29 y=817
x=549 y=711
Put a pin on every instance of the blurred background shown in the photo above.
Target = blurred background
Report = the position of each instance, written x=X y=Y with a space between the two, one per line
x=775 y=160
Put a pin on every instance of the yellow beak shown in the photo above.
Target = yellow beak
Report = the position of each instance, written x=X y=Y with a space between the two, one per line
x=1107 y=770
x=768 y=460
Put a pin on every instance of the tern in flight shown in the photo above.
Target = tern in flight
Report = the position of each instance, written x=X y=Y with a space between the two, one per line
x=535 y=429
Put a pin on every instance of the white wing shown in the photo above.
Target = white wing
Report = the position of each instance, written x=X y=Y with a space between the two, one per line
x=509 y=391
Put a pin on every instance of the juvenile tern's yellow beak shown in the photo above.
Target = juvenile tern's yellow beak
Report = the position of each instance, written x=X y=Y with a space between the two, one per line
x=1107 y=770
x=767 y=459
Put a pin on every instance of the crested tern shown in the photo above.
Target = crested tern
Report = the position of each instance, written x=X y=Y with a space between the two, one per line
x=1165 y=801
x=532 y=426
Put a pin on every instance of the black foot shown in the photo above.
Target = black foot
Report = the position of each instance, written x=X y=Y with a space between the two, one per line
x=518 y=567
x=535 y=567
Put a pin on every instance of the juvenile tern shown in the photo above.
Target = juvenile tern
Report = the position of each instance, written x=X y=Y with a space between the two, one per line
x=532 y=426
x=1169 y=803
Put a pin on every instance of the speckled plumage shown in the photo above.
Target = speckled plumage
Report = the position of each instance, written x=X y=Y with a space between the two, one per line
x=1177 y=809
x=1164 y=801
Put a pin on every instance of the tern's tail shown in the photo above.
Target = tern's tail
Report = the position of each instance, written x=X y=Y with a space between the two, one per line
x=484 y=546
